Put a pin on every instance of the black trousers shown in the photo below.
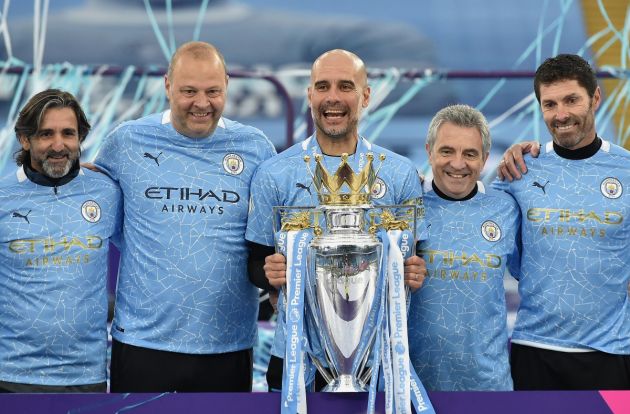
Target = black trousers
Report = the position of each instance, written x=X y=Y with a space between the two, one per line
x=542 y=369
x=274 y=376
x=137 y=369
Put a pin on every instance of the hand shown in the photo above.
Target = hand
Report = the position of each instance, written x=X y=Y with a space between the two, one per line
x=512 y=163
x=91 y=166
x=276 y=270
x=415 y=272
x=273 y=300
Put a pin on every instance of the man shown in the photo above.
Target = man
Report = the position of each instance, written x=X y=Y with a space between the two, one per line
x=185 y=309
x=573 y=324
x=457 y=321
x=337 y=94
x=55 y=226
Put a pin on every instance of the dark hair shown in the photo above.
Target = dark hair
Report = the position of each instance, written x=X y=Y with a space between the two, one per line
x=565 y=67
x=31 y=116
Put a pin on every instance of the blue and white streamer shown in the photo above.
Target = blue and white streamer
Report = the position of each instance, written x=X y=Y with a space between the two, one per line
x=295 y=248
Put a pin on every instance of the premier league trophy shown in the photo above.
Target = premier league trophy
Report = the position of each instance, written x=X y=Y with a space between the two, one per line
x=343 y=280
x=344 y=266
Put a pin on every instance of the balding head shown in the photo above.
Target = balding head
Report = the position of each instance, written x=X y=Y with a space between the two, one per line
x=338 y=56
x=337 y=95
x=198 y=51
x=196 y=87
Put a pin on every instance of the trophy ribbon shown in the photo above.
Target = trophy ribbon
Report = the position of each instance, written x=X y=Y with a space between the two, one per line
x=398 y=320
x=293 y=387
x=401 y=383
x=378 y=354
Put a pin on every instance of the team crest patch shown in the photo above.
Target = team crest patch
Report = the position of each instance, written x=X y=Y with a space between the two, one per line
x=91 y=211
x=611 y=188
x=233 y=164
x=490 y=231
x=378 y=189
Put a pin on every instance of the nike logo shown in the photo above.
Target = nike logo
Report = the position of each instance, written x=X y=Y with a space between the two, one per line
x=24 y=216
x=542 y=187
x=154 y=158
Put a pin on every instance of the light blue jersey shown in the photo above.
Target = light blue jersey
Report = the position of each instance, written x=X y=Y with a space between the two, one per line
x=576 y=251
x=284 y=181
x=183 y=284
x=457 y=320
x=54 y=244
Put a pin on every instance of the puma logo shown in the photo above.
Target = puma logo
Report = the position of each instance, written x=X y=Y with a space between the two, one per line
x=542 y=187
x=148 y=155
x=303 y=187
x=24 y=216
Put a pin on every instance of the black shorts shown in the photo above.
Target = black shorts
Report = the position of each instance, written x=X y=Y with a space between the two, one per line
x=6 y=387
x=137 y=369
x=542 y=369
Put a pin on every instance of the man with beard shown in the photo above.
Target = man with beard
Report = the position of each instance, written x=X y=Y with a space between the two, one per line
x=185 y=309
x=573 y=324
x=337 y=94
x=55 y=225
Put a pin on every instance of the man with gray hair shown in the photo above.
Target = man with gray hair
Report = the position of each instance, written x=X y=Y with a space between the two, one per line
x=457 y=321
x=55 y=225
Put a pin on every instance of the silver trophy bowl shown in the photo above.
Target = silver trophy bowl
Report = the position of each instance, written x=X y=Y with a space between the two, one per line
x=341 y=296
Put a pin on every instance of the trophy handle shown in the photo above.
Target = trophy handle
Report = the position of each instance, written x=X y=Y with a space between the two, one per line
x=328 y=377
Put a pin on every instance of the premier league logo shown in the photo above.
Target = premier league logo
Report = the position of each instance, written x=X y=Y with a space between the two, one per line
x=91 y=211
x=233 y=164
x=611 y=188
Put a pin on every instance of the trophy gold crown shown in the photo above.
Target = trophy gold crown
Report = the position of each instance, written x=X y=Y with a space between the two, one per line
x=344 y=187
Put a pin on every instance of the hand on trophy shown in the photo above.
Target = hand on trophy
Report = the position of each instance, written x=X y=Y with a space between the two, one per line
x=415 y=272
x=276 y=270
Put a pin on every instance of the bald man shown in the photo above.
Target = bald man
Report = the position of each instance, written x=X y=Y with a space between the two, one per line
x=185 y=309
x=337 y=94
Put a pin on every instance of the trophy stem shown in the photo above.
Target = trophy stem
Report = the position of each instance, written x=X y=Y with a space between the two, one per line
x=345 y=383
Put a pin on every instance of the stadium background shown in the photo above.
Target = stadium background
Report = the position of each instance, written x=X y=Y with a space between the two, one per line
x=421 y=55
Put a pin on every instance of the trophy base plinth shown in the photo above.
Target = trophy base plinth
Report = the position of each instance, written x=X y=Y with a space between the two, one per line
x=345 y=383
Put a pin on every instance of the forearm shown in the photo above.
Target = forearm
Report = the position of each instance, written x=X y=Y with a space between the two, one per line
x=255 y=263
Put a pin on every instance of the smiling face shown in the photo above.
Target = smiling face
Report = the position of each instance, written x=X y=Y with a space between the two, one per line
x=196 y=88
x=569 y=113
x=456 y=159
x=55 y=146
x=337 y=94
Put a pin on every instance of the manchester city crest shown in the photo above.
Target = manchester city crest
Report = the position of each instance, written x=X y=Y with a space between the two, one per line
x=611 y=188
x=91 y=211
x=233 y=164
x=490 y=231
x=378 y=189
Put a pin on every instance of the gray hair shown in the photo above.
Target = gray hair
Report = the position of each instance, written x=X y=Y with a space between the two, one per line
x=463 y=116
